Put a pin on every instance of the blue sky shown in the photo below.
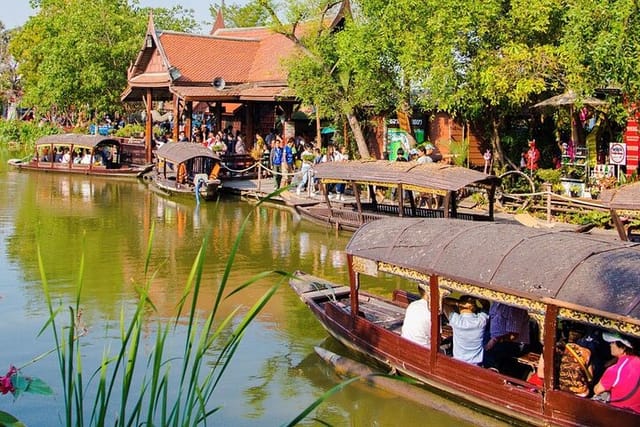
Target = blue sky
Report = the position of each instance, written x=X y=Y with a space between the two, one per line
x=19 y=11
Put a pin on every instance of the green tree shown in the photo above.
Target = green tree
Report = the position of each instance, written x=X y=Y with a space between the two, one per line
x=344 y=72
x=73 y=54
x=9 y=77
x=601 y=45
x=251 y=14
x=477 y=60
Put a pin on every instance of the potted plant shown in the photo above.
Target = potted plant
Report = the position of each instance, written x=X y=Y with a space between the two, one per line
x=575 y=190
x=595 y=192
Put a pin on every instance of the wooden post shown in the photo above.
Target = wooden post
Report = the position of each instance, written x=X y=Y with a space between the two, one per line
x=548 y=350
x=188 y=120
x=354 y=285
x=176 y=117
x=547 y=189
x=400 y=200
x=434 y=308
x=148 y=130
x=318 y=129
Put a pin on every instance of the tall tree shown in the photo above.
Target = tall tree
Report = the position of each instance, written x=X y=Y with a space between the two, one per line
x=74 y=54
x=601 y=46
x=9 y=77
x=251 y=14
x=481 y=60
x=341 y=71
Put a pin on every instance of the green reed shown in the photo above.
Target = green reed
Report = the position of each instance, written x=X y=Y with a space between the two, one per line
x=160 y=397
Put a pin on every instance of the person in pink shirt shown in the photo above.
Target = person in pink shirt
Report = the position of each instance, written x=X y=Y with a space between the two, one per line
x=622 y=379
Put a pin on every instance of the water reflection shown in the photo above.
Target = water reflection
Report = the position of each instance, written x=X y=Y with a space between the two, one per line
x=274 y=373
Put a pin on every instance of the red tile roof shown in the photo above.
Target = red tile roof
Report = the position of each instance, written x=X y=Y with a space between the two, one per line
x=186 y=64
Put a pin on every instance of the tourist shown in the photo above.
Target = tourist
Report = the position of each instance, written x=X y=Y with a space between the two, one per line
x=423 y=157
x=277 y=160
x=307 y=159
x=468 y=329
x=622 y=379
x=576 y=372
x=508 y=334
x=417 y=319
x=240 y=148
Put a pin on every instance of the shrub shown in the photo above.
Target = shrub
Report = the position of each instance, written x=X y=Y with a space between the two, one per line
x=552 y=176
x=132 y=130
x=19 y=134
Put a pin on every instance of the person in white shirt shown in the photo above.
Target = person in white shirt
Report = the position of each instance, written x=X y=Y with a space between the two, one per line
x=417 y=319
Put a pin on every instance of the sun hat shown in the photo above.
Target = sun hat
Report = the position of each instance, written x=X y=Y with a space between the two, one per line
x=429 y=147
x=614 y=336
x=413 y=151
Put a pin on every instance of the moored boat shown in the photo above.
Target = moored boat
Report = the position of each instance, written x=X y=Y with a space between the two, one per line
x=82 y=154
x=562 y=280
x=187 y=169
x=402 y=189
x=624 y=205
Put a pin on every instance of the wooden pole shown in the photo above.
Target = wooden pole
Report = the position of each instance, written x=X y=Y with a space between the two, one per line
x=148 y=131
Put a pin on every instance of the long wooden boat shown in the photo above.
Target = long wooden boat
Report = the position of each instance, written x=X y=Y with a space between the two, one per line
x=187 y=169
x=624 y=205
x=559 y=278
x=373 y=181
x=83 y=154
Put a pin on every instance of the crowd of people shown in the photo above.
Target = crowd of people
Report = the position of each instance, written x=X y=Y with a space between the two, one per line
x=590 y=362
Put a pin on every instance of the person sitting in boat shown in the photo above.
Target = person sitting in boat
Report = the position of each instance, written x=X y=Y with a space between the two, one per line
x=417 y=319
x=66 y=156
x=622 y=379
x=86 y=157
x=508 y=334
x=576 y=372
x=468 y=329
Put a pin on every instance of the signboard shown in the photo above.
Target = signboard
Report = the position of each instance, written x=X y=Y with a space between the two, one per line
x=617 y=153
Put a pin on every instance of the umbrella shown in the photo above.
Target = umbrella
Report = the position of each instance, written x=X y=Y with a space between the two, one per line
x=569 y=99
x=327 y=130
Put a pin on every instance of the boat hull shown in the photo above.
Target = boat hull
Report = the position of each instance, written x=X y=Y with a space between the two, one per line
x=207 y=191
x=75 y=169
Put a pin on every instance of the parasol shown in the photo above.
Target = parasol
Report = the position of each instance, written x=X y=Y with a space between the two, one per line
x=569 y=99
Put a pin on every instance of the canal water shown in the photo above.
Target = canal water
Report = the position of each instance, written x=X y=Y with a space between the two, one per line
x=274 y=374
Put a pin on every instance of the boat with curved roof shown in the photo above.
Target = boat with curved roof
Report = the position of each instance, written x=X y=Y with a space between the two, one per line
x=83 y=154
x=183 y=168
x=562 y=280
x=372 y=182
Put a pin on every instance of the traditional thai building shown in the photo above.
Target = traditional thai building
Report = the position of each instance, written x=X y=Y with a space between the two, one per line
x=235 y=74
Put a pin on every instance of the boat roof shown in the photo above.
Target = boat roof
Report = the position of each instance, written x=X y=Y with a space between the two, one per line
x=179 y=152
x=428 y=175
x=624 y=197
x=570 y=269
x=80 y=140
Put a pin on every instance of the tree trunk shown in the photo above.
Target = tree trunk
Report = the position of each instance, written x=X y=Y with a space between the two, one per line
x=359 y=137
x=497 y=145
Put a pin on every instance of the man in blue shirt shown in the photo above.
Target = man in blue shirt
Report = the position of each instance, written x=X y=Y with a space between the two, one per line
x=277 y=157
x=468 y=330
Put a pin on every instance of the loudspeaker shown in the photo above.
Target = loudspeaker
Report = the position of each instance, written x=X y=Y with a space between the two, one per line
x=218 y=83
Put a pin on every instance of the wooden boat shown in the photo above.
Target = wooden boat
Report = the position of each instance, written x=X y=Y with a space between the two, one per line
x=624 y=206
x=560 y=278
x=443 y=184
x=187 y=169
x=84 y=154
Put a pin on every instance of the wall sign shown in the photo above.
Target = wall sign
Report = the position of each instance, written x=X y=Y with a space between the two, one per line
x=617 y=153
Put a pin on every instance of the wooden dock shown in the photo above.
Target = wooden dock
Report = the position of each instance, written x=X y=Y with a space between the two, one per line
x=261 y=187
